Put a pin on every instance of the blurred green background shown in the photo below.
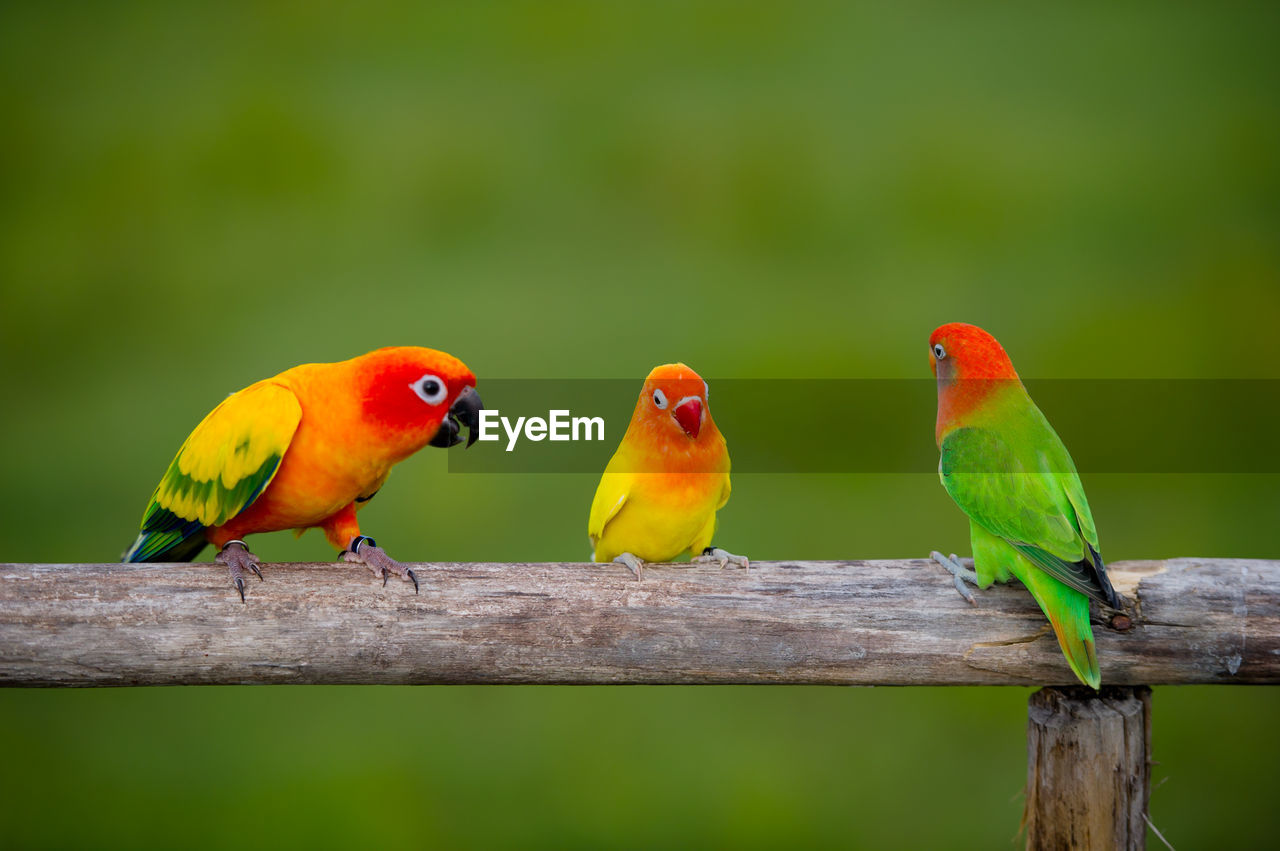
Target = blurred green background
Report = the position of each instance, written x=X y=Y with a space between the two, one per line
x=193 y=197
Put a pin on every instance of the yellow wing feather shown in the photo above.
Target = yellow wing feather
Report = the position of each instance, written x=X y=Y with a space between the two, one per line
x=611 y=495
x=231 y=456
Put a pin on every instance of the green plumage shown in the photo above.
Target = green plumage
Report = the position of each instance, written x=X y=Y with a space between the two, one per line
x=1008 y=470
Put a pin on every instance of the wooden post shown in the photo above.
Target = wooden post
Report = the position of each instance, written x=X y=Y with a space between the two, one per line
x=1088 y=768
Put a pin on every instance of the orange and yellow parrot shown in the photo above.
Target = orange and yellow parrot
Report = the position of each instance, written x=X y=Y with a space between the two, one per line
x=306 y=448
x=659 y=495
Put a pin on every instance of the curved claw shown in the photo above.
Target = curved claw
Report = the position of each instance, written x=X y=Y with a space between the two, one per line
x=960 y=575
x=376 y=559
x=236 y=556
x=724 y=558
x=633 y=562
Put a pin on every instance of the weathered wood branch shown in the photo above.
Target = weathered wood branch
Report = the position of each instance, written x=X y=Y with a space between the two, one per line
x=849 y=623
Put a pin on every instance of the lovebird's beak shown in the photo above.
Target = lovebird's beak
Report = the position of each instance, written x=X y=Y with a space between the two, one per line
x=466 y=408
x=689 y=415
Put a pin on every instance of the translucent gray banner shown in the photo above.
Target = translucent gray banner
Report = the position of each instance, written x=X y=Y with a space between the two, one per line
x=886 y=425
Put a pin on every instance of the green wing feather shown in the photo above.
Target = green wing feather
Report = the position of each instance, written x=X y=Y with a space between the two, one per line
x=220 y=470
x=1033 y=499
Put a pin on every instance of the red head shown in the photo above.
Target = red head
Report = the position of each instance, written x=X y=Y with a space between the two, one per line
x=673 y=405
x=970 y=366
x=958 y=350
x=417 y=396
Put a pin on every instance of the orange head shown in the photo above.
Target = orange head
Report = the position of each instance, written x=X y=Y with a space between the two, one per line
x=417 y=396
x=673 y=406
x=971 y=368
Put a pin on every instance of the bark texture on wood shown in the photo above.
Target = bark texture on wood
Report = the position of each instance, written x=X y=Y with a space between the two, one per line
x=850 y=623
x=1088 y=768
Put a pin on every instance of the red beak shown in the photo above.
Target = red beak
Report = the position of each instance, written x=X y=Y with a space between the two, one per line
x=689 y=415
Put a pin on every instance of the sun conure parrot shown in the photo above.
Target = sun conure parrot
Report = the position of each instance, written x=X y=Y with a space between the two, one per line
x=659 y=495
x=306 y=448
x=1006 y=468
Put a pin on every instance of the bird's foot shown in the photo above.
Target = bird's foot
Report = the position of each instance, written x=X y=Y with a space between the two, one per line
x=236 y=556
x=636 y=564
x=364 y=550
x=962 y=570
x=724 y=558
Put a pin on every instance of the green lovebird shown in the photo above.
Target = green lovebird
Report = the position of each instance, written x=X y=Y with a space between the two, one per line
x=1007 y=469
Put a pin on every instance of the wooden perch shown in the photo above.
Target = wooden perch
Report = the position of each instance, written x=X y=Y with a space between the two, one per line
x=845 y=623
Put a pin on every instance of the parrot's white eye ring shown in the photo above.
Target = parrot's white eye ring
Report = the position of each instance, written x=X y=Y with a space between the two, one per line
x=938 y=351
x=660 y=398
x=430 y=389
x=706 y=391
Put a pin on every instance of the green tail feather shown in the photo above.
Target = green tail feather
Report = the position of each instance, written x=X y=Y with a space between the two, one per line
x=1066 y=608
x=1068 y=613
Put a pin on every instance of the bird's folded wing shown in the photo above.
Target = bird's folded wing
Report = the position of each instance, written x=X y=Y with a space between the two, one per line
x=223 y=465
x=1029 y=507
x=611 y=495
x=724 y=493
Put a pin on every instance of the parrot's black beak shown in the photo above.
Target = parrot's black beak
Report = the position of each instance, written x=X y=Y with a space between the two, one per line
x=464 y=412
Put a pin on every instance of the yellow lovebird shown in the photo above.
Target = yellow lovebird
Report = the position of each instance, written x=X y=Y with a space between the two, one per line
x=659 y=495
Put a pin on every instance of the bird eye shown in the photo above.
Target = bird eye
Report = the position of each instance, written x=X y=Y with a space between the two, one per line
x=660 y=399
x=938 y=351
x=430 y=389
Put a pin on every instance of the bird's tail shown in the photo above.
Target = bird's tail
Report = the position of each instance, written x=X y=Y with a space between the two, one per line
x=183 y=550
x=1068 y=613
x=166 y=537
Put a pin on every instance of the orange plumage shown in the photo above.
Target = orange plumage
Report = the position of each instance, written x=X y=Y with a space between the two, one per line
x=659 y=495
x=303 y=449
